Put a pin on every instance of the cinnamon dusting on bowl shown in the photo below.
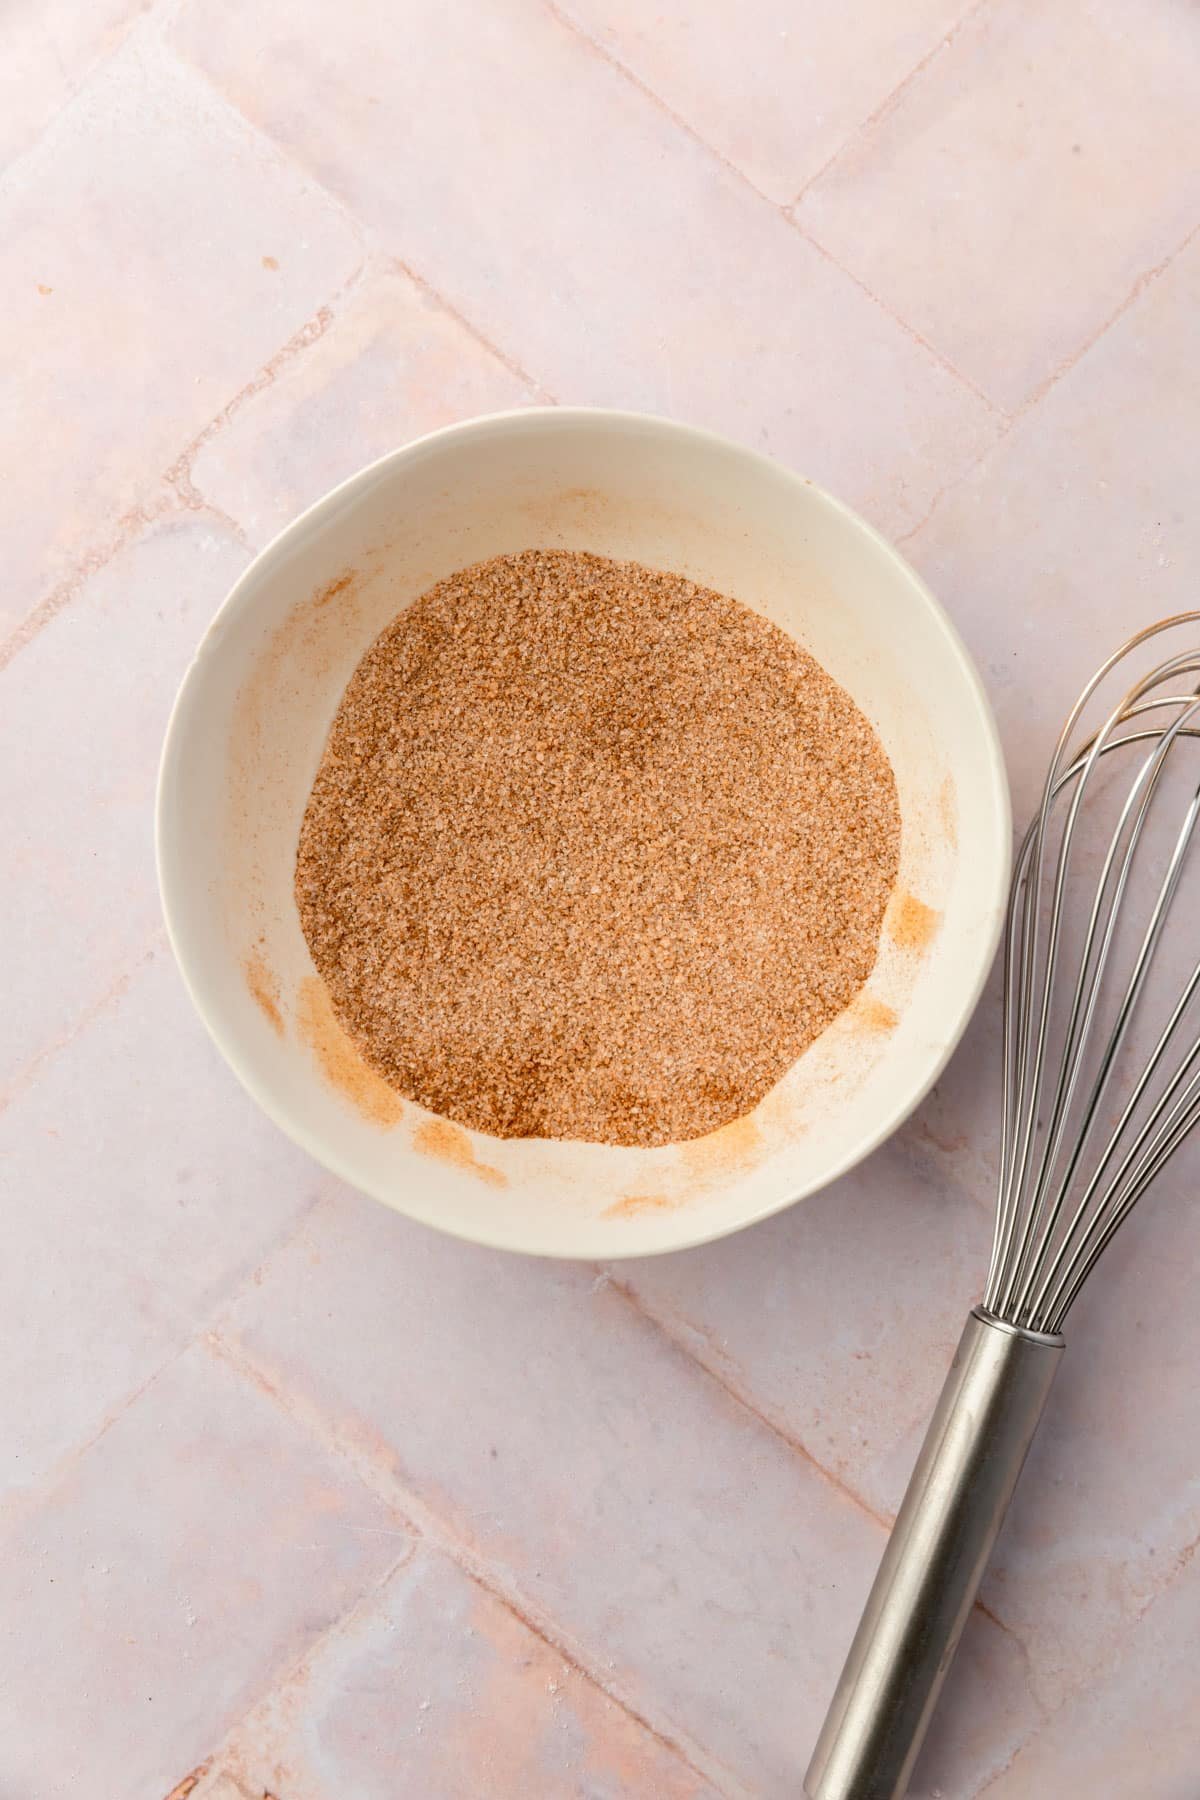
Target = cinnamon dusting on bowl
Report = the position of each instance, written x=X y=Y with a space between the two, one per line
x=633 y=1205
x=288 y=676
x=948 y=810
x=726 y=1151
x=911 y=924
x=450 y=1144
x=264 y=989
x=875 y=1014
x=333 y=588
x=339 y=1061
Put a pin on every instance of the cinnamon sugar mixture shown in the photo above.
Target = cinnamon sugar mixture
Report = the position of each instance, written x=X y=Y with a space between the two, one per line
x=592 y=852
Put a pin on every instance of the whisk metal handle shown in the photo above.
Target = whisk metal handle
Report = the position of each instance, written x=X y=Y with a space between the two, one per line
x=934 y=1562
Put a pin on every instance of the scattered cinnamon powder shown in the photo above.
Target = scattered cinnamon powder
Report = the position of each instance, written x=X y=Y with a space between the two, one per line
x=875 y=1014
x=725 y=1151
x=948 y=810
x=341 y=1062
x=592 y=852
x=437 y=1137
x=189 y=1783
x=632 y=1206
x=911 y=924
x=333 y=588
x=264 y=989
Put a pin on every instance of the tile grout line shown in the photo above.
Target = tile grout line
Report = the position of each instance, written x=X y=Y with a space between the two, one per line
x=243 y=123
x=1143 y=281
x=1064 y=368
x=890 y=99
x=179 y=474
x=214 y=1760
x=180 y=499
x=173 y=504
x=110 y=996
x=885 y=1522
x=998 y=413
x=185 y=497
x=19 y=1503
x=1182 y=1562
x=429 y=1526
x=140 y=26
x=948 y=487
x=1084 y=1682
x=127 y=529
x=1005 y=418
x=149 y=28
x=205 y=1335
x=663 y=1327
x=573 y=29
x=388 y=1485
x=672 y=1745
x=366 y=235
x=426 y=287
x=783 y=208
x=657 y=1323
x=1040 y=1708
x=420 y=1520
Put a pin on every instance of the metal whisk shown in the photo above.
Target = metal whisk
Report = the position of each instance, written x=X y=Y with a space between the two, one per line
x=1087 y=1124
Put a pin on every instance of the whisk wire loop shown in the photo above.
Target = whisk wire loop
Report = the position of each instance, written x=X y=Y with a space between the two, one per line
x=1075 y=981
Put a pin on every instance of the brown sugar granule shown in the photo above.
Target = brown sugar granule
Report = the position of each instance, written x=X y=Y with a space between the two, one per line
x=592 y=852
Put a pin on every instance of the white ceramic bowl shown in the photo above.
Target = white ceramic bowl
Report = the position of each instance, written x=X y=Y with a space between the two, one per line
x=250 y=723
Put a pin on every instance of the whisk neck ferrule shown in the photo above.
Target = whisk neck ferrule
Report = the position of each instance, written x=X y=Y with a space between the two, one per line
x=1052 y=1339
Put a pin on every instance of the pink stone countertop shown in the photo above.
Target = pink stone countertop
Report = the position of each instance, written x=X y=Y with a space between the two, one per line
x=298 y=1498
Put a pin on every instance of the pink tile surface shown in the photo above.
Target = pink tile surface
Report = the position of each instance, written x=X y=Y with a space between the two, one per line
x=782 y=89
x=1134 y=1730
x=139 y=1187
x=803 y=1315
x=437 y=1677
x=194 y=1550
x=392 y=363
x=80 y=731
x=1020 y=186
x=552 y=252
x=686 y=1524
x=132 y=238
x=46 y=52
x=1082 y=515
x=294 y=1495
x=680 y=1552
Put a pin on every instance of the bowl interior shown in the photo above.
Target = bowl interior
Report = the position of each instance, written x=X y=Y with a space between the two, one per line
x=250 y=725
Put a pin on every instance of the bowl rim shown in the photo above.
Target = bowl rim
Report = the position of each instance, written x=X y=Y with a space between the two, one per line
x=651 y=424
